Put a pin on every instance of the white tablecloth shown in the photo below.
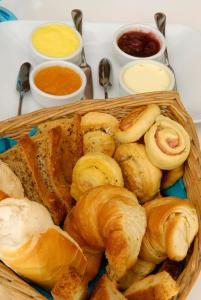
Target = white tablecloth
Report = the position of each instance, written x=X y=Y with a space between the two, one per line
x=181 y=12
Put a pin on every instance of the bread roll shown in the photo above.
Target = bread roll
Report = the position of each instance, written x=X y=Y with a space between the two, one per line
x=167 y=143
x=98 y=130
x=94 y=169
x=33 y=246
x=135 y=124
x=160 y=286
x=108 y=218
x=107 y=290
x=10 y=185
x=170 y=177
x=172 y=224
x=140 y=175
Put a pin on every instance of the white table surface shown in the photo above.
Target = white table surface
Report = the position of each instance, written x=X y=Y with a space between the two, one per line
x=178 y=11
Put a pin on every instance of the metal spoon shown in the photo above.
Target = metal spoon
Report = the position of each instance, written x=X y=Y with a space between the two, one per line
x=160 y=19
x=22 y=85
x=104 y=75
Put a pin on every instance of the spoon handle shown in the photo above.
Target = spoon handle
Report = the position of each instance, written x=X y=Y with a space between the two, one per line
x=19 y=112
x=77 y=20
x=160 y=19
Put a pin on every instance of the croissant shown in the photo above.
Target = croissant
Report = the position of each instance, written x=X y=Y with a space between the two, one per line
x=94 y=169
x=98 y=130
x=108 y=218
x=167 y=143
x=135 y=124
x=140 y=175
x=172 y=224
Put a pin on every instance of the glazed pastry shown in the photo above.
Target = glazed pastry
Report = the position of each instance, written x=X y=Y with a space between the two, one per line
x=108 y=218
x=170 y=177
x=10 y=185
x=160 y=286
x=167 y=144
x=140 y=270
x=140 y=175
x=94 y=169
x=98 y=130
x=107 y=290
x=135 y=124
x=172 y=224
x=33 y=246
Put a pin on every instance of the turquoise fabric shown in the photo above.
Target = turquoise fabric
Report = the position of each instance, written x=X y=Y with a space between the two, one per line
x=178 y=190
x=6 y=15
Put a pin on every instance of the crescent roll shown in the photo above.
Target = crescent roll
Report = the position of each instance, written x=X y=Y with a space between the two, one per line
x=108 y=218
x=140 y=175
x=33 y=246
x=167 y=143
x=98 y=130
x=172 y=224
x=135 y=124
x=94 y=169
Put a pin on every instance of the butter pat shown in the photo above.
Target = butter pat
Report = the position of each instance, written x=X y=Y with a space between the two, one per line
x=147 y=76
x=55 y=40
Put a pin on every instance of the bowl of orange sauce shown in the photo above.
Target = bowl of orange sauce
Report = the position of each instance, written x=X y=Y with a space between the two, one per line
x=57 y=83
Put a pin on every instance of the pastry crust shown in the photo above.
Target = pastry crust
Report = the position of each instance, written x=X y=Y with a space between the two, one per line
x=140 y=175
x=109 y=218
x=94 y=169
x=160 y=286
x=167 y=143
x=170 y=177
x=172 y=224
x=135 y=124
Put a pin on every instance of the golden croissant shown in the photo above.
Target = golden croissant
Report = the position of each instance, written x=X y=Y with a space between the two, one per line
x=167 y=143
x=108 y=218
x=94 y=169
x=98 y=131
x=140 y=175
x=172 y=224
x=135 y=124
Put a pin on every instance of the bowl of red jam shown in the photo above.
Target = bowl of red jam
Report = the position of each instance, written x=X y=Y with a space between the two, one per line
x=138 y=41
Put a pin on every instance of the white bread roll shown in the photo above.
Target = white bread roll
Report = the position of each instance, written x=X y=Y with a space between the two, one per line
x=33 y=246
x=9 y=182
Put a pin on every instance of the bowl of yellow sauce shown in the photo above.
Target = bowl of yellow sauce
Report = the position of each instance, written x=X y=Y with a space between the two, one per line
x=55 y=41
x=142 y=76
x=55 y=83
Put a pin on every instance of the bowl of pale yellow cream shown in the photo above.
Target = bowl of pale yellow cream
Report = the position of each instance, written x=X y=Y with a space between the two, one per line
x=55 y=41
x=144 y=76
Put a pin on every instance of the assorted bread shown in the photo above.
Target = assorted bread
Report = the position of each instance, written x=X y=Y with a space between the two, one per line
x=99 y=178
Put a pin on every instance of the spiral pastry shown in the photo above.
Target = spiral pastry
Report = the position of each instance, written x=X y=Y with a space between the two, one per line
x=172 y=224
x=109 y=219
x=167 y=143
x=98 y=131
x=94 y=169
x=135 y=124
x=140 y=175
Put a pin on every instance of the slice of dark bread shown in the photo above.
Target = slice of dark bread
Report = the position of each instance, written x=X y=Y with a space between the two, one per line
x=23 y=162
x=71 y=142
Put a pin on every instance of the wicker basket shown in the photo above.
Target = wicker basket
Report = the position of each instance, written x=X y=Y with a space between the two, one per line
x=171 y=106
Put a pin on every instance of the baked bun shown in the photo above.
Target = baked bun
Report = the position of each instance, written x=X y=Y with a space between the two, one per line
x=108 y=218
x=107 y=290
x=135 y=124
x=170 y=177
x=160 y=286
x=10 y=185
x=167 y=143
x=94 y=169
x=98 y=130
x=140 y=175
x=33 y=246
x=172 y=224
